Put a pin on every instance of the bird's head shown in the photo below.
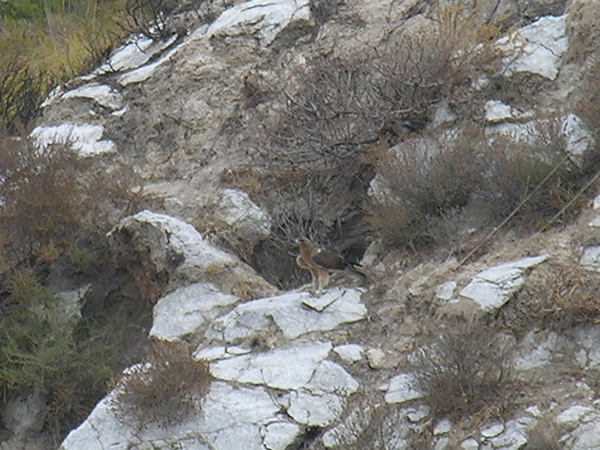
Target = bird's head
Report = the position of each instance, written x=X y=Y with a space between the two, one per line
x=304 y=242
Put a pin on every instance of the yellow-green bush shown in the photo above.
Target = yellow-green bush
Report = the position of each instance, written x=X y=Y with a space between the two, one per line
x=43 y=44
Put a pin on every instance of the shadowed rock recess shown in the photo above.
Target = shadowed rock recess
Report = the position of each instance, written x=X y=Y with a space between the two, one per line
x=399 y=132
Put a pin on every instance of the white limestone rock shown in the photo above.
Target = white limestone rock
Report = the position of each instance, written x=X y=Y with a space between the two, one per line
x=535 y=48
x=597 y=203
x=493 y=287
x=134 y=54
x=315 y=409
x=493 y=430
x=536 y=350
x=590 y=259
x=349 y=352
x=264 y=18
x=143 y=73
x=587 y=338
x=441 y=443
x=497 y=111
x=595 y=222
x=574 y=414
x=578 y=137
x=300 y=366
x=514 y=434
x=279 y=435
x=180 y=237
x=469 y=444
x=185 y=310
x=102 y=94
x=416 y=415
x=172 y=250
x=286 y=368
x=287 y=313
x=442 y=427
x=401 y=388
x=211 y=353
x=246 y=220
x=587 y=436
x=445 y=291
x=85 y=139
x=317 y=386
x=229 y=415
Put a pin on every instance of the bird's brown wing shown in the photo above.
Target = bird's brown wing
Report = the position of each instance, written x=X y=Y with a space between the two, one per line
x=328 y=260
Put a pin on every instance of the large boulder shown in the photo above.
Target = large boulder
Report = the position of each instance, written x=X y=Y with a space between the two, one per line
x=164 y=253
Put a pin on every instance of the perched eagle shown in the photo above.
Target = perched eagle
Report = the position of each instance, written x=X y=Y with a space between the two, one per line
x=320 y=263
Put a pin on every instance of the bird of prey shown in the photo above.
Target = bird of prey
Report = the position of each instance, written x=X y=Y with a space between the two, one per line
x=320 y=263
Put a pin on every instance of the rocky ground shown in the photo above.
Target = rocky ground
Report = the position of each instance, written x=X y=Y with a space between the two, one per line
x=363 y=366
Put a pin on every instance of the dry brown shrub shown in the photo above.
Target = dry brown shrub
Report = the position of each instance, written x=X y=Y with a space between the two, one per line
x=437 y=173
x=332 y=116
x=55 y=203
x=517 y=168
x=568 y=295
x=466 y=369
x=429 y=181
x=367 y=424
x=164 y=389
x=545 y=436
x=468 y=177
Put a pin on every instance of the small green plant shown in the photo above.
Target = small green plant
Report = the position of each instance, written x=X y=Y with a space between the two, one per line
x=465 y=369
x=164 y=388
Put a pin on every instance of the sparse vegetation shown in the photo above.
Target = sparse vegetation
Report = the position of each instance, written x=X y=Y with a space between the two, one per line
x=568 y=296
x=367 y=424
x=46 y=43
x=465 y=369
x=545 y=436
x=164 y=388
x=430 y=181
x=69 y=364
x=49 y=213
x=54 y=224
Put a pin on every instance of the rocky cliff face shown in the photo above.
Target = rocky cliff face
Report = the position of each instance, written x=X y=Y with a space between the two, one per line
x=497 y=351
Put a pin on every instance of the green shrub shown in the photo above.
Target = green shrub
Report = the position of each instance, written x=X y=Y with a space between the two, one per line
x=70 y=370
x=54 y=223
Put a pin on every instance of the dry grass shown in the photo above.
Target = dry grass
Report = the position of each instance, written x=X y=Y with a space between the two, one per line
x=568 y=296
